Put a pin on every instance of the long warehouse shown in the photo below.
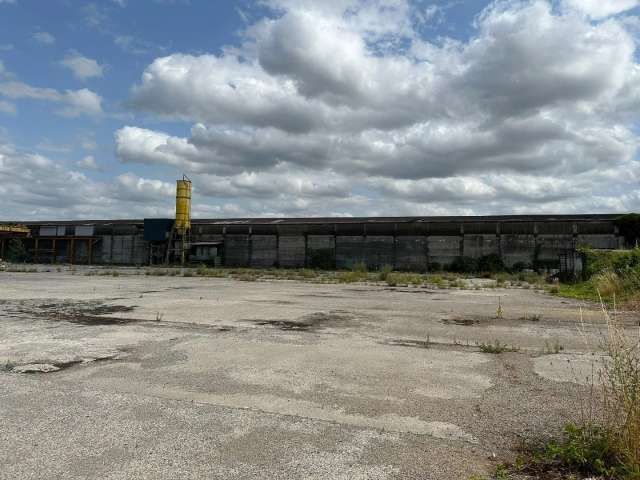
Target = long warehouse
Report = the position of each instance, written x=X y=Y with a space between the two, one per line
x=404 y=243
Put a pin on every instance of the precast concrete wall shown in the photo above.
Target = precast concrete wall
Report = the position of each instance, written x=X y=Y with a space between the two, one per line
x=412 y=243
x=291 y=252
x=264 y=250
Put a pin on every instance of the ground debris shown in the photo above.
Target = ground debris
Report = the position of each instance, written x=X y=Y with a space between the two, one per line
x=35 y=368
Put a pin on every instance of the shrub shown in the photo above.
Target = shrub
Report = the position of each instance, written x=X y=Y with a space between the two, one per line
x=16 y=251
x=359 y=267
x=490 y=263
x=519 y=266
x=619 y=261
x=608 y=283
x=351 y=277
x=464 y=265
x=384 y=273
x=322 y=258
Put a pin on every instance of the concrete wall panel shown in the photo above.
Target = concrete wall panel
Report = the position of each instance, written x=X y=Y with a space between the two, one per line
x=410 y=253
x=517 y=249
x=443 y=249
x=477 y=246
x=349 y=251
x=378 y=251
x=140 y=250
x=236 y=251
x=550 y=246
x=291 y=252
x=321 y=252
x=598 y=241
x=264 y=250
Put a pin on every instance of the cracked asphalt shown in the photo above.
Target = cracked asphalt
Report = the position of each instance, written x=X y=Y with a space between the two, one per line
x=188 y=377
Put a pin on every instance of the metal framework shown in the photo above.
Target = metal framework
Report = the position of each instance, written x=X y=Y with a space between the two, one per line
x=38 y=251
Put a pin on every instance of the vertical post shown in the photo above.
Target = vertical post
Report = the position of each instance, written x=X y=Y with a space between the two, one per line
x=306 y=246
x=224 y=246
x=536 y=245
x=425 y=246
x=461 y=245
x=90 y=249
x=277 y=247
x=395 y=246
x=364 y=245
x=499 y=240
x=335 y=247
x=133 y=249
x=72 y=257
x=111 y=250
x=250 y=247
x=54 y=251
x=2 y=247
x=35 y=252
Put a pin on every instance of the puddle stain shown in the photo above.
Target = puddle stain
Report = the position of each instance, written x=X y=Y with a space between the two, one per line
x=80 y=313
x=311 y=322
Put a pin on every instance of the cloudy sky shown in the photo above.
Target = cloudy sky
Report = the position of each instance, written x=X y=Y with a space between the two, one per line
x=308 y=107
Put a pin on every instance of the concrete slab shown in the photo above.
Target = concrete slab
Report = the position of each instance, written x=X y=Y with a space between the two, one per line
x=186 y=377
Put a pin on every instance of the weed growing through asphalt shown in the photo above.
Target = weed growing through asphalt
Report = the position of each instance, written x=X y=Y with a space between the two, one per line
x=552 y=347
x=605 y=442
x=497 y=347
x=499 y=311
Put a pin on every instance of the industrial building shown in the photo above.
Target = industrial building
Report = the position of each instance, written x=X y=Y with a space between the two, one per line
x=405 y=243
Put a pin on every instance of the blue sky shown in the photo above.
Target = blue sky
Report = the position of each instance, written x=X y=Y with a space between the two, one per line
x=294 y=108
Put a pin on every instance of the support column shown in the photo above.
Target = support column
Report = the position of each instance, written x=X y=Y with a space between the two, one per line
x=335 y=247
x=250 y=248
x=90 y=251
x=425 y=248
x=363 y=254
x=499 y=241
x=277 y=247
x=224 y=246
x=461 y=245
x=536 y=245
x=395 y=246
x=35 y=252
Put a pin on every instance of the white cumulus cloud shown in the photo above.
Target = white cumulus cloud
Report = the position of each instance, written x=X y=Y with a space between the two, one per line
x=351 y=92
x=82 y=67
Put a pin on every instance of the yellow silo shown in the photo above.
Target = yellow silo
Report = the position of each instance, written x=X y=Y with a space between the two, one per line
x=183 y=205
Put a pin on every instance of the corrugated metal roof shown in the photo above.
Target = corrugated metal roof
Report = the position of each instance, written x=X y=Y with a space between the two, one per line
x=341 y=220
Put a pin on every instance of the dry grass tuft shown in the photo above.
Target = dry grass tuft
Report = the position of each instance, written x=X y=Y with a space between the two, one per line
x=620 y=376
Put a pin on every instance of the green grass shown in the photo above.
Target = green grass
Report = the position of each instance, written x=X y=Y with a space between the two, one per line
x=607 y=286
x=587 y=451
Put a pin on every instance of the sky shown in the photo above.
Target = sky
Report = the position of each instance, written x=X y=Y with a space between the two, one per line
x=318 y=108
